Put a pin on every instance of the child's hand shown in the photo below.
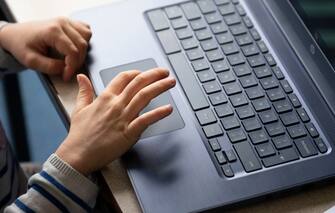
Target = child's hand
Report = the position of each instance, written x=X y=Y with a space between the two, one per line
x=31 y=42
x=104 y=129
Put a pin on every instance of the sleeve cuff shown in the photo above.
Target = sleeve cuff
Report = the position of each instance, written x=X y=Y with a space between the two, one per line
x=72 y=179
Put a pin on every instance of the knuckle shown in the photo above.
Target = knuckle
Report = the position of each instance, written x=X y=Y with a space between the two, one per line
x=53 y=29
x=82 y=44
x=62 y=20
x=140 y=79
x=30 y=60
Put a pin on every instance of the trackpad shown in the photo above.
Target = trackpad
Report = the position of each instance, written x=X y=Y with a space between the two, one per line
x=168 y=124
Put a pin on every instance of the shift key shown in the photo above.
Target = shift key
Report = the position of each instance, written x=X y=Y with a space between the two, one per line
x=247 y=156
x=169 y=41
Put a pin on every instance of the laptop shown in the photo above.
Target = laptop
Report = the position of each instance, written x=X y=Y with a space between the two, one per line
x=254 y=105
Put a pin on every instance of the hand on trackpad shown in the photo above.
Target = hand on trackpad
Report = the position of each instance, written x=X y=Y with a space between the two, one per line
x=168 y=124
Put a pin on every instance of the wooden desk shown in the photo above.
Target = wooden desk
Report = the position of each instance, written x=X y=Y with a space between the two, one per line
x=313 y=199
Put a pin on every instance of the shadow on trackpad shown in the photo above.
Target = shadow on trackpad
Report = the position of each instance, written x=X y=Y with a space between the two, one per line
x=168 y=124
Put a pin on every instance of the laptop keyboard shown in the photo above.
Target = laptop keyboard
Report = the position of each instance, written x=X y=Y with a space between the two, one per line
x=233 y=84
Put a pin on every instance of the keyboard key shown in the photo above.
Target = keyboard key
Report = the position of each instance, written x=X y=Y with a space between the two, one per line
x=278 y=73
x=203 y=34
x=275 y=129
x=205 y=116
x=255 y=34
x=321 y=145
x=209 y=44
x=232 y=88
x=248 y=81
x=232 y=19
x=230 y=122
x=212 y=130
x=189 y=43
x=282 y=106
x=214 y=55
x=218 y=98
x=215 y=145
x=188 y=81
x=198 y=24
x=258 y=137
x=285 y=155
x=220 y=157
x=223 y=110
x=184 y=33
x=213 y=18
x=312 y=130
x=194 y=54
x=238 y=100
x=289 y=118
x=269 y=82
x=240 y=10
x=231 y=157
x=205 y=76
x=158 y=20
x=220 y=2
x=206 y=6
x=294 y=100
x=200 y=64
x=262 y=46
x=169 y=41
x=275 y=94
x=247 y=156
x=286 y=86
x=247 y=21
x=282 y=142
x=220 y=66
x=173 y=12
x=224 y=38
x=251 y=124
x=303 y=115
x=226 y=77
x=269 y=58
x=227 y=171
x=255 y=61
x=179 y=23
x=227 y=9
x=296 y=131
x=230 y=48
x=245 y=112
x=191 y=10
x=211 y=87
x=236 y=135
x=265 y=150
x=250 y=50
x=236 y=59
x=268 y=116
x=261 y=104
x=262 y=71
x=305 y=147
x=244 y=39
x=254 y=92
x=219 y=28
x=238 y=29
x=242 y=70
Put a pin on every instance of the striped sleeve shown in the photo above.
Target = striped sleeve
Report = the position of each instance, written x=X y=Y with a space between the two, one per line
x=58 y=188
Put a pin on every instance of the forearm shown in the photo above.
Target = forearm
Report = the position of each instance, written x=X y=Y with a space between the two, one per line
x=58 y=188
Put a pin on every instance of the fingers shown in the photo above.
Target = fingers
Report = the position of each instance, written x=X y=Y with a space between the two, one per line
x=85 y=93
x=141 y=81
x=147 y=94
x=117 y=85
x=44 y=64
x=140 y=124
x=83 y=28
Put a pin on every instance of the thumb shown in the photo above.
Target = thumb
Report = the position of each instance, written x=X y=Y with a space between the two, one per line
x=85 y=93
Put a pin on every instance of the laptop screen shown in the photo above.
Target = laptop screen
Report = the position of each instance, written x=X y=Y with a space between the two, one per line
x=319 y=17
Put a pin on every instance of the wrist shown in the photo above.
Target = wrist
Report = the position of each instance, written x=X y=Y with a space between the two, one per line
x=73 y=158
x=3 y=24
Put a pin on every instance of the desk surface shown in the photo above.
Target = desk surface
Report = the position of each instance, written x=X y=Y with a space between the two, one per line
x=313 y=199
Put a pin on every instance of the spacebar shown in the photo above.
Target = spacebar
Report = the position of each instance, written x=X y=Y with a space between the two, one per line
x=188 y=81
